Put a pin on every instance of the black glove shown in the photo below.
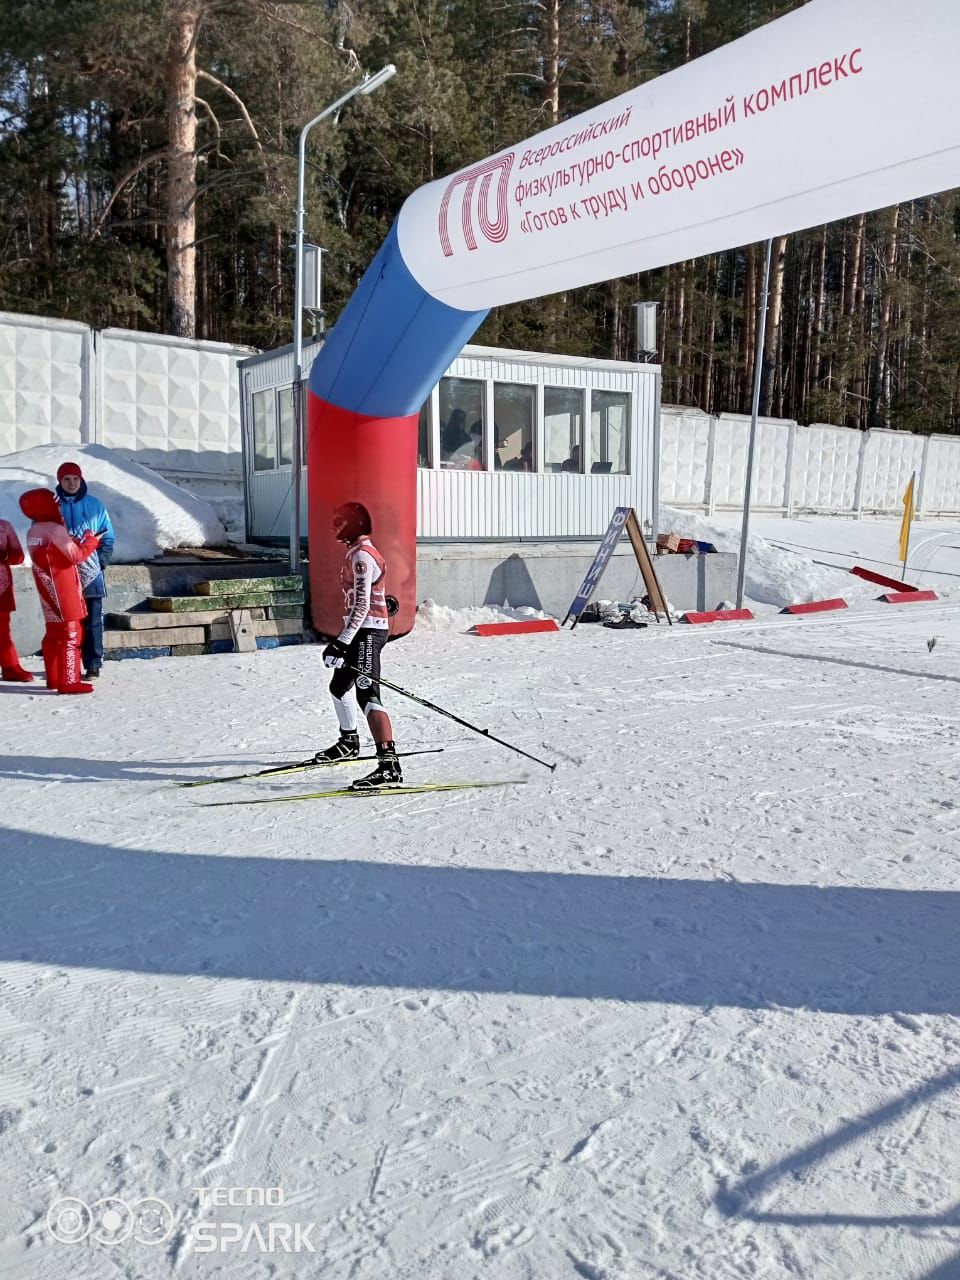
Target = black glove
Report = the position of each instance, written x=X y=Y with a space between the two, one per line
x=335 y=654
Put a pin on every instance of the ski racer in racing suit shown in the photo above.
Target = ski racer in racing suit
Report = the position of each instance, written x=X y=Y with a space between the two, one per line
x=355 y=653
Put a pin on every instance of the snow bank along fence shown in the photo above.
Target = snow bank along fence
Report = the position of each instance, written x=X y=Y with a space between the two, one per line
x=817 y=468
x=173 y=402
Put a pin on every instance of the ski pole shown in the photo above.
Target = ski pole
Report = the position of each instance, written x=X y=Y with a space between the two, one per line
x=450 y=716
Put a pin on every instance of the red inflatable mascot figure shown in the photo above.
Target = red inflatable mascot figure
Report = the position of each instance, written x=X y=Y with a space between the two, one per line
x=55 y=556
x=11 y=553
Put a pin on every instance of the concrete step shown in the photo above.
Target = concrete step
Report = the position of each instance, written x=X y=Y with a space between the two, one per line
x=267 y=627
x=246 y=600
x=235 y=586
x=113 y=640
x=181 y=637
x=215 y=630
x=146 y=621
x=195 y=618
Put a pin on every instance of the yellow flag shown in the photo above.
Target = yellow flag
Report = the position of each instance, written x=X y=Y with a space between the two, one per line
x=907 y=517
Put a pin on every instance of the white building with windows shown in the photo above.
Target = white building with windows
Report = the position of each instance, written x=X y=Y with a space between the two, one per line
x=522 y=459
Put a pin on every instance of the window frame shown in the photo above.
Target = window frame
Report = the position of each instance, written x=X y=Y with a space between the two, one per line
x=604 y=451
x=443 y=463
x=582 y=392
x=271 y=394
x=534 y=406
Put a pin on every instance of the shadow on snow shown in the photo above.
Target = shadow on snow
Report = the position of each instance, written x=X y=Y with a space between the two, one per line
x=841 y=950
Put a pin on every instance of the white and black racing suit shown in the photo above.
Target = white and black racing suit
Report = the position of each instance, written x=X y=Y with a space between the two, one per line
x=366 y=624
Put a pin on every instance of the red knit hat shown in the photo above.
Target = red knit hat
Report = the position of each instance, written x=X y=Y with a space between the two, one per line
x=68 y=469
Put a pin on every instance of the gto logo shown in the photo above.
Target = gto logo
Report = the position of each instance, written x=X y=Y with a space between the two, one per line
x=492 y=212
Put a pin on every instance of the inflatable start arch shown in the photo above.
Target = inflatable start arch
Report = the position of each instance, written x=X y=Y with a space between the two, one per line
x=798 y=123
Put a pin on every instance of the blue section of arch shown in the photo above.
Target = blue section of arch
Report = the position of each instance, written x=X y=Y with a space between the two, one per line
x=391 y=344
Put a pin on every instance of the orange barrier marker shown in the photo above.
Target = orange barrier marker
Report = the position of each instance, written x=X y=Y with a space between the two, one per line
x=881 y=580
x=719 y=615
x=816 y=606
x=514 y=628
x=909 y=597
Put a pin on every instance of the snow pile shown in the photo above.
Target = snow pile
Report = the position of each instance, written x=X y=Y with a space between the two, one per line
x=149 y=514
x=774 y=576
x=438 y=617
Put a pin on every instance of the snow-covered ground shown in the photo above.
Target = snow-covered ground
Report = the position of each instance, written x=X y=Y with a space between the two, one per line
x=687 y=1008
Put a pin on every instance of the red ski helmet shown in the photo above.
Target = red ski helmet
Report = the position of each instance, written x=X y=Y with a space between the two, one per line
x=351 y=521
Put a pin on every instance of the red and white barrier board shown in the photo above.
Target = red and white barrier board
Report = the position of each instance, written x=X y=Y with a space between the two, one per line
x=816 y=606
x=913 y=596
x=514 y=628
x=719 y=615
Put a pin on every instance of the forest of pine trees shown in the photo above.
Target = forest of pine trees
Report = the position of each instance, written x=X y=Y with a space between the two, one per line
x=148 y=180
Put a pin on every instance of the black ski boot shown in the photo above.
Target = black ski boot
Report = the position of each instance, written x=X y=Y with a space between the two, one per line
x=386 y=774
x=346 y=748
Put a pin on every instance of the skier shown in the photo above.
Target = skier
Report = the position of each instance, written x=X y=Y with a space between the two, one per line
x=81 y=511
x=55 y=556
x=365 y=632
x=11 y=553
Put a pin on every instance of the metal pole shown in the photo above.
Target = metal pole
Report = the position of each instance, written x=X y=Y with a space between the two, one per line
x=757 y=377
x=367 y=85
x=432 y=706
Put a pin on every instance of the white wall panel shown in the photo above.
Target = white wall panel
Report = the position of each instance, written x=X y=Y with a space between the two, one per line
x=729 y=461
x=175 y=403
x=684 y=455
x=941 y=486
x=44 y=377
x=770 y=460
x=889 y=458
x=825 y=467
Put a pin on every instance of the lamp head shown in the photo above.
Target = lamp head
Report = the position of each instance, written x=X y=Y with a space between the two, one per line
x=381 y=77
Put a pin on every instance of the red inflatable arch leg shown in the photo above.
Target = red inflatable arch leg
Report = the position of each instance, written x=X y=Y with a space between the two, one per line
x=354 y=458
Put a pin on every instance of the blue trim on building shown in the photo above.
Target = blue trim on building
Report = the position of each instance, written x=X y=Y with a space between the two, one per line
x=392 y=343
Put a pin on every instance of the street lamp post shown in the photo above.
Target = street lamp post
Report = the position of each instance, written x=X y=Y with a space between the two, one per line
x=751 y=446
x=367 y=85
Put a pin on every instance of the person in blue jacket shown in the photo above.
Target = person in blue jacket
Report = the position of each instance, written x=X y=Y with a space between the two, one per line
x=82 y=511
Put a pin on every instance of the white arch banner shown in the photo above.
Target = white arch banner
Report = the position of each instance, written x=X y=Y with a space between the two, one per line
x=838 y=108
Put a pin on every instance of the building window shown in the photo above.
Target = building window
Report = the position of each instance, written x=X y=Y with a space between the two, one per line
x=423 y=436
x=562 y=429
x=285 y=415
x=461 y=424
x=264 y=431
x=610 y=433
x=514 y=410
